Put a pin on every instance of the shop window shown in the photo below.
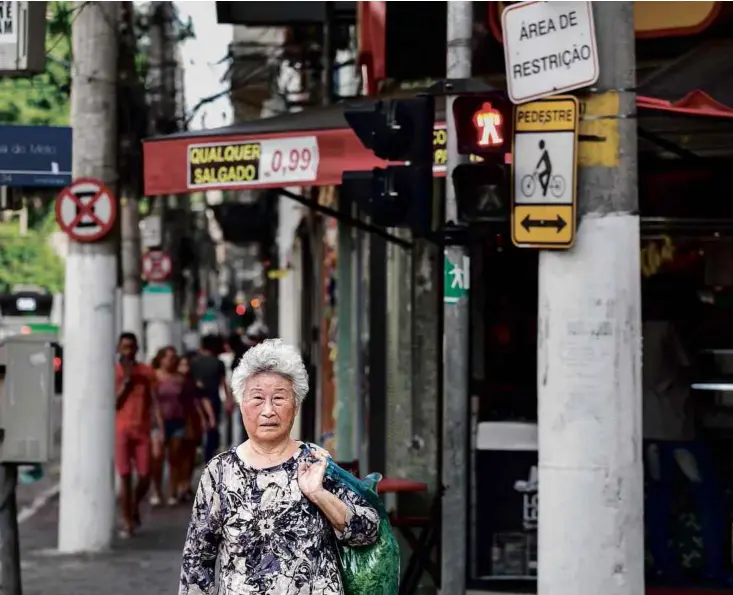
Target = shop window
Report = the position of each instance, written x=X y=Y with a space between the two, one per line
x=503 y=486
x=504 y=312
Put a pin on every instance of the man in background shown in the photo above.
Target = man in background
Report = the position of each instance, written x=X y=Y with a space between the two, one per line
x=210 y=373
x=136 y=404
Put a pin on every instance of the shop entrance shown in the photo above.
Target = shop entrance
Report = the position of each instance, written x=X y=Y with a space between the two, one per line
x=686 y=257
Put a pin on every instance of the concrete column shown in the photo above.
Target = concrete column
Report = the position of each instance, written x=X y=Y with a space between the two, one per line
x=591 y=490
x=345 y=396
x=87 y=502
x=399 y=358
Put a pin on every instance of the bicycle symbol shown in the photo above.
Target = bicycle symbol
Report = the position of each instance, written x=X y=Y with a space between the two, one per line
x=543 y=175
x=529 y=185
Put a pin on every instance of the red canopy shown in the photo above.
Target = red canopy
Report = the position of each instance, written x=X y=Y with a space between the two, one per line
x=311 y=148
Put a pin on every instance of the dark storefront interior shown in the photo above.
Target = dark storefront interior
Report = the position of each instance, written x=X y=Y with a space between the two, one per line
x=687 y=296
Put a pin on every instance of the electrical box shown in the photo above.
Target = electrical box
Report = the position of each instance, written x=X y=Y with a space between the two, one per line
x=26 y=393
x=22 y=38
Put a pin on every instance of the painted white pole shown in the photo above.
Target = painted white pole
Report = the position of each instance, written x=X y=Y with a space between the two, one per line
x=87 y=505
x=591 y=530
x=132 y=316
x=158 y=334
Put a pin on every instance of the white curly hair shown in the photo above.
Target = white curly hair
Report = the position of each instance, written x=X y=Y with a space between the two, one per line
x=275 y=356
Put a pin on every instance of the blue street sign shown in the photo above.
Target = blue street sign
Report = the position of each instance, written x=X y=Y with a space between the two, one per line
x=35 y=156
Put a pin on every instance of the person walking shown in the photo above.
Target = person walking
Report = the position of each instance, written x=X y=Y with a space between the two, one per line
x=265 y=512
x=199 y=418
x=175 y=402
x=210 y=374
x=157 y=450
x=136 y=403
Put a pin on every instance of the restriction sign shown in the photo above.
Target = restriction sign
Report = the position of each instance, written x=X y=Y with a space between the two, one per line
x=86 y=210
x=157 y=266
x=544 y=173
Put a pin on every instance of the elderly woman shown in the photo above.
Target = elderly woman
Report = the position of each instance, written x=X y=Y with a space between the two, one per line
x=265 y=510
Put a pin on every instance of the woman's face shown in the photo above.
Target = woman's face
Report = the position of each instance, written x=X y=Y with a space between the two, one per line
x=268 y=407
x=184 y=367
x=168 y=362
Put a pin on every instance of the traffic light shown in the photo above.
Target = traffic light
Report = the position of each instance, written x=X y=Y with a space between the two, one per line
x=482 y=189
x=483 y=124
x=397 y=130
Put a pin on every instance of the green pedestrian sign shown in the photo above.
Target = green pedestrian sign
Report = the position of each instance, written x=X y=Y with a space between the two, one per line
x=209 y=316
x=455 y=280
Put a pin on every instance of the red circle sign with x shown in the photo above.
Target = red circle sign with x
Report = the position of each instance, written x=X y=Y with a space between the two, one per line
x=86 y=210
x=157 y=266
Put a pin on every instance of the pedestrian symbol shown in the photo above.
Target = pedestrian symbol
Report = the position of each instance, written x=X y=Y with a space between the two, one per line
x=456 y=281
x=545 y=174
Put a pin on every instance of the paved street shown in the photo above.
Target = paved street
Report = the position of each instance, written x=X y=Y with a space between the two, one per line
x=145 y=565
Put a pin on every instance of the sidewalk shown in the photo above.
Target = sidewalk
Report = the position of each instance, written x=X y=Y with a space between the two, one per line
x=147 y=564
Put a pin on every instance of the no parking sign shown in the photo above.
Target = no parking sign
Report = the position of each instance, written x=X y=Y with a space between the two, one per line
x=86 y=210
x=157 y=266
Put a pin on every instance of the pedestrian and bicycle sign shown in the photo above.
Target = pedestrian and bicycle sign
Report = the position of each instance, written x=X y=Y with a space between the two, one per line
x=86 y=210
x=544 y=197
x=157 y=266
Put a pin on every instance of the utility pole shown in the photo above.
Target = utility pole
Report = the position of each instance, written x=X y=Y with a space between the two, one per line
x=87 y=505
x=132 y=313
x=454 y=463
x=10 y=574
x=591 y=530
x=162 y=62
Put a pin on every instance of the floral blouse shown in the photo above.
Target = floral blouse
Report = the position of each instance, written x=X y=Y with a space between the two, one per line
x=267 y=537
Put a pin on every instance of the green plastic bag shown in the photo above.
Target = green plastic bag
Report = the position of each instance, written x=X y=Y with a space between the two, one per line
x=372 y=569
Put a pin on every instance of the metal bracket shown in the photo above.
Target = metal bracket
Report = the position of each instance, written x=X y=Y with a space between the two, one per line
x=449 y=235
x=357 y=223
x=667 y=145
x=459 y=87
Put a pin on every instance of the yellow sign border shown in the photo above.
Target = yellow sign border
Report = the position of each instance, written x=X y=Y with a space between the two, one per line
x=573 y=223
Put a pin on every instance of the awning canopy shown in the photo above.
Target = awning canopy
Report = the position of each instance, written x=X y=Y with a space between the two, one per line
x=311 y=148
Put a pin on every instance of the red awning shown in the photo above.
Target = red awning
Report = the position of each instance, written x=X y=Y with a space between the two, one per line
x=695 y=103
x=310 y=148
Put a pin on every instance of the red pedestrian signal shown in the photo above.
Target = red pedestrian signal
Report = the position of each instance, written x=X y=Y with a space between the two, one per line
x=483 y=124
x=489 y=125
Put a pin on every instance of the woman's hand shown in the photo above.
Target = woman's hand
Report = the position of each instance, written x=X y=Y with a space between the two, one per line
x=310 y=478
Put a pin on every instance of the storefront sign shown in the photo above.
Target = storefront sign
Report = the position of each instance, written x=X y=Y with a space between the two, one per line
x=440 y=150
x=252 y=163
x=654 y=255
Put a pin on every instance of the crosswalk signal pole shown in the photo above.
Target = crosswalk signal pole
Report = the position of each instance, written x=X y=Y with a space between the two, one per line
x=454 y=459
